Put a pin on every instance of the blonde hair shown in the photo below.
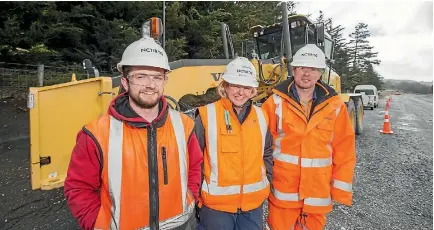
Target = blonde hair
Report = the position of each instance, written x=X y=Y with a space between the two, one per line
x=221 y=90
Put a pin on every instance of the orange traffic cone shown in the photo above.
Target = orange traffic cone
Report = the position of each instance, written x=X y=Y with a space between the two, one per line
x=386 y=125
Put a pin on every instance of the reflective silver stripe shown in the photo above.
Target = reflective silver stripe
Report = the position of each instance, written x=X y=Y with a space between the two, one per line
x=315 y=162
x=347 y=187
x=178 y=127
x=175 y=221
x=317 y=201
x=114 y=169
x=212 y=188
x=278 y=102
x=285 y=196
x=287 y=158
x=329 y=145
x=277 y=154
x=262 y=126
x=212 y=141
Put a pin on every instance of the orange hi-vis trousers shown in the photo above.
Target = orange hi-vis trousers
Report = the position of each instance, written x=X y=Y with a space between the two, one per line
x=293 y=218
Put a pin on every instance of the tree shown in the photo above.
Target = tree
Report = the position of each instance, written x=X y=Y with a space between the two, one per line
x=372 y=77
x=360 y=51
x=362 y=58
x=340 y=55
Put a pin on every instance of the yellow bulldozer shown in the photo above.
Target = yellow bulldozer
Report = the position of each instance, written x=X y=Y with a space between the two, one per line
x=59 y=111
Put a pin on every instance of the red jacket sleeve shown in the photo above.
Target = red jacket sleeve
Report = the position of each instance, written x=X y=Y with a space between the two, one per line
x=195 y=162
x=82 y=182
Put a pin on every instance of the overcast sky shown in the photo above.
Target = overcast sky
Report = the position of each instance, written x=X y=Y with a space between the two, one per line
x=401 y=32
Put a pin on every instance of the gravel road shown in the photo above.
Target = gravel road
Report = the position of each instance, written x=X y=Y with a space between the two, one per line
x=394 y=173
x=392 y=188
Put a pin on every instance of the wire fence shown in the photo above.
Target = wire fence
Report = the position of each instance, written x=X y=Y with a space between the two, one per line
x=16 y=79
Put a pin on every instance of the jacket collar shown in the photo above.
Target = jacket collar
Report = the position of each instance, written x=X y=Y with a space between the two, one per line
x=121 y=109
x=322 y=91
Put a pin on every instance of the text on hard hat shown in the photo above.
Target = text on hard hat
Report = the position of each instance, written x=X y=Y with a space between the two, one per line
x=244 y=71
x=151 y=50
x=309 y=54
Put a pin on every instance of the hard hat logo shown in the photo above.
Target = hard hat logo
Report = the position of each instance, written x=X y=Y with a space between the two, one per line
x=150 y=50
x=244 y=71
x=309 y=54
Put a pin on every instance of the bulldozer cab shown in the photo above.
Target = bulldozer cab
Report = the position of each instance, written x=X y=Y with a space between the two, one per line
x=270 y=41
x=302 y=31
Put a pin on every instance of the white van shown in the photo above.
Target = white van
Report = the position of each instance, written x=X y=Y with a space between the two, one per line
x=371 y=98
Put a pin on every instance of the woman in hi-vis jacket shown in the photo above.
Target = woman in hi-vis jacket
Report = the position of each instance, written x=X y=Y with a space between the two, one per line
x=233 y=134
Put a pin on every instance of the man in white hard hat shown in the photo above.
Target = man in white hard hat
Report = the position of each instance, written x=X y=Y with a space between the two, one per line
x=137 y=166
x=314 y=146
x=237 y=146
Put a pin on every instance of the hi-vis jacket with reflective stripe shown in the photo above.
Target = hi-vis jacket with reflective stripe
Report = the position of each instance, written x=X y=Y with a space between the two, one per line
x=124 y=204
x=139 y=175
x=314 y=158
x=234 y=171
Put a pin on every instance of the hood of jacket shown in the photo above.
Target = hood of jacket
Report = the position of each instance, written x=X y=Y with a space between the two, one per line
x=322 y=90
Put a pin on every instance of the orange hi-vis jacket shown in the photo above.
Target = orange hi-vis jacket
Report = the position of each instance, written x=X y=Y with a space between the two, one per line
x=314 y=158
x=234 y=172
x=124 y=204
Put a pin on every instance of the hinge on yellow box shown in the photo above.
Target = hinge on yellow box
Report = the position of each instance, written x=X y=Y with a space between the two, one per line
x=44 y=160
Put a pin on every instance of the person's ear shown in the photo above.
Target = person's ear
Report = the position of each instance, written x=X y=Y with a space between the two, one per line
x=124 y=82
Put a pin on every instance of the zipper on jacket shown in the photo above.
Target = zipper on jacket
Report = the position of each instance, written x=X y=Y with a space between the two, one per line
x=153 y=178
x=307 y=119
x=319 y=109
x=242 y=164
x=163 y=155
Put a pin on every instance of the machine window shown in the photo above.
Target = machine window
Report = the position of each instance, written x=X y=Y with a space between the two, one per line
x=328 y=45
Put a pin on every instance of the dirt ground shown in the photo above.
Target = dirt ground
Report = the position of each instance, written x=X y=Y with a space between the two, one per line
x=21 y=207
x=392 y=185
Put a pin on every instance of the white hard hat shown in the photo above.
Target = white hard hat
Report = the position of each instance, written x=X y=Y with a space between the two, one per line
x=241 y=71
x=309 y=56
x=144 y=52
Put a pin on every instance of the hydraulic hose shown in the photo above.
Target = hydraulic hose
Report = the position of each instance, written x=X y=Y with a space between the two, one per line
x=268 y=82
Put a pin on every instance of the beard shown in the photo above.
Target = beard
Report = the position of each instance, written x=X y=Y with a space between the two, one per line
x=300 y=86
x=144 y=104
x=305 y=85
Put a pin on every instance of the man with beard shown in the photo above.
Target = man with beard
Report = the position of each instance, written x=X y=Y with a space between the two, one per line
x=314 y=146
x=139 y=165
